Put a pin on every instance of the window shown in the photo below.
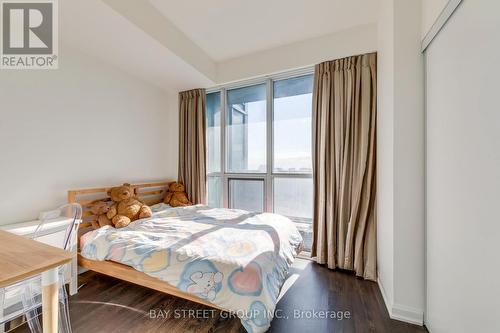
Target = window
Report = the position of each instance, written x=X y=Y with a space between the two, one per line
x=292 y=130
x=214 y=193
x=247 y=194
x=259 y=149
x=246 y=129
x=213 y=115
x=293 y=197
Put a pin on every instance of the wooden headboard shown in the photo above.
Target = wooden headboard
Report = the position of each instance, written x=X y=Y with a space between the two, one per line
x=150 y=194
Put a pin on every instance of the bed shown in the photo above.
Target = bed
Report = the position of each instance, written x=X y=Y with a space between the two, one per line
x=232 y=260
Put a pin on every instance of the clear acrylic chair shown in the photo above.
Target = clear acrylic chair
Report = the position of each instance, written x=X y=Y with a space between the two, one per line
x=24 y=297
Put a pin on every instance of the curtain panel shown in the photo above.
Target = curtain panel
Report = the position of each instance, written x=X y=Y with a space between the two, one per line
x=344 y=162
x=192 y=145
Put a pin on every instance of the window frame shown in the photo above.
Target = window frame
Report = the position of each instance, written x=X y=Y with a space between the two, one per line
x=269 y=175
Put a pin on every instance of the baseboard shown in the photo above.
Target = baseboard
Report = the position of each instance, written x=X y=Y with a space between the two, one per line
x=407 y=314
x=401 y=312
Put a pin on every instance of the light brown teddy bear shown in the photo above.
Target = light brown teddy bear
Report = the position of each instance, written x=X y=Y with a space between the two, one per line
x=176 y=196
x=100 y=208
x=127 y=207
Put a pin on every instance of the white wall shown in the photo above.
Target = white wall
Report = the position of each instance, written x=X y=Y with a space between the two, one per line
x=430 y=12
x=409 y=156
x=400 y=169
x=463 y=172
x=359 y=40
x=85 y=124
x=385 y=151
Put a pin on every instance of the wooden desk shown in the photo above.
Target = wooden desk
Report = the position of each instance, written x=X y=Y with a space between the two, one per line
x=52 y=232
x=21 y=258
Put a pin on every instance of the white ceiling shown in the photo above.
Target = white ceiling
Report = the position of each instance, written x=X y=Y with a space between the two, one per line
x=181 y=44
x=95 y=28
x=226 y=29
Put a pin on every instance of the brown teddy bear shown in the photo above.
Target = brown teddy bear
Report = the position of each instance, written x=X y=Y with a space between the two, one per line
x=126 y=207
x=100 y=208
x=176 y=196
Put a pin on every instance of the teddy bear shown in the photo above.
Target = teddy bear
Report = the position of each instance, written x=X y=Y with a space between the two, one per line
x=176 y=195
x=100 y=208
x=126 y=207
x=204 y=284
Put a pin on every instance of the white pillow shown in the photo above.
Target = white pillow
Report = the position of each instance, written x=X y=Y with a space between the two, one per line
x=159 y=207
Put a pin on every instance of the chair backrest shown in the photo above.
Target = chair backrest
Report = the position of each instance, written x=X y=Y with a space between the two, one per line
x=70 y=215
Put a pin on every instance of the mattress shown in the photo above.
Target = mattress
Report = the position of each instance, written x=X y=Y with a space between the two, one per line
x=235 y=259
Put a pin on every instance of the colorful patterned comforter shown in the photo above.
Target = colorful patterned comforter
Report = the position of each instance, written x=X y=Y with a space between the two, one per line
x=232 y=258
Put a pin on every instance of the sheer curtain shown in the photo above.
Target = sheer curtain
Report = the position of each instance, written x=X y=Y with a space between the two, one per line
x=344 y=161
x=192 y=145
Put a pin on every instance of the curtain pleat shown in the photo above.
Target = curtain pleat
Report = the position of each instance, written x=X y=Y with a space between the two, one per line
x=192 y=145
x=344 y=164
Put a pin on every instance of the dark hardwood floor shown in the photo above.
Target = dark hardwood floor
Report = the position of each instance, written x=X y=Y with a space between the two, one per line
x=105 y=304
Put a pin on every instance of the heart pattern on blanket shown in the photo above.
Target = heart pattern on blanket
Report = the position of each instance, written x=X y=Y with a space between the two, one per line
x=258 y=314
x=155 y=261
x=116 y=253
x=246 y=281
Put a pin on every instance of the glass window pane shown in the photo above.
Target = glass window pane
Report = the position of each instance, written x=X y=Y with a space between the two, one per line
x=292 y=125
x=246 y=129
x=293 y=197
x=214 y=192
x=246 y=194
x=213 y=115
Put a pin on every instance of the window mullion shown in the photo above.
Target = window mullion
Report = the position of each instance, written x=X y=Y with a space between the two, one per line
x=269 y=148
x=224 y=181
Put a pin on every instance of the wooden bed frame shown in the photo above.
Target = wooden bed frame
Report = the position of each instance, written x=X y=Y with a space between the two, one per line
x=150 y=194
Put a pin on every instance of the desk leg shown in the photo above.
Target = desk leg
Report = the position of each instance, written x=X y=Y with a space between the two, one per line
x=73 y=279
x=50 y=300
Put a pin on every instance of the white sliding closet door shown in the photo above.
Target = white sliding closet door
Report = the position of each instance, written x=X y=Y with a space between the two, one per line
x=463 y=172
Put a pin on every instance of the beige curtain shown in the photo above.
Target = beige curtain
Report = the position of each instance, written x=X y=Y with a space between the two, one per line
x=192 y=147
x=344 y=136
